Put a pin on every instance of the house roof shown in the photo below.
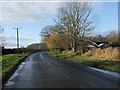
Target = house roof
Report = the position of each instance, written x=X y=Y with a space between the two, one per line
x=97 y=44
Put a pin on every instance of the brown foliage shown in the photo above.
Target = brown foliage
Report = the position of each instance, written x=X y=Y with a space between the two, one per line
x=57 y=41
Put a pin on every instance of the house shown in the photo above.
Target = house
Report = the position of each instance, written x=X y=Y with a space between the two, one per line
x=93 y=45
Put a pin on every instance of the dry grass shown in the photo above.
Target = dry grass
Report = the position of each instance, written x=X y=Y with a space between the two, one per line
x=69 y=52
x=104 y=54
x=90 y=61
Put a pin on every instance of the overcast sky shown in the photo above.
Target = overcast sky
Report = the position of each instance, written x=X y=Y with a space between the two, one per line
x=33 y=16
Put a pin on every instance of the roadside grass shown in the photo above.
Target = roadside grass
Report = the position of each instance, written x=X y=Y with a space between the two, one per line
x=9 y=61
x=91 y=62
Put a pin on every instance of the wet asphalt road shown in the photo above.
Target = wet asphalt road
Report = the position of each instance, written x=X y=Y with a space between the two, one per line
x=45 y=71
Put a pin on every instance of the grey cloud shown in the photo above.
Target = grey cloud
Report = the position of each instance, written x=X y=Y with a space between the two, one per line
x=63 y=0
x=34 y=0
x=22 y=12
x=11 y=45
x=11 y=42
x=14 y=38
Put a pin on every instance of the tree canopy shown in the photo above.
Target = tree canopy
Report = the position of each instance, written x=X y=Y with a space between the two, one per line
x=74 y=22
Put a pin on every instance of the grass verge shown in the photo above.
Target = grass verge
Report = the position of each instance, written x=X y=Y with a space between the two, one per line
x=92 y=62
x=10 y=63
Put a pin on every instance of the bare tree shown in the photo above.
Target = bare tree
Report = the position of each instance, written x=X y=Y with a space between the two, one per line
x=2 y=39
x=48 y=30
x=113 y=37
x=74 y=20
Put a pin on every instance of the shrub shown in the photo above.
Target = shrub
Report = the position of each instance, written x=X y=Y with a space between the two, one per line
x=104 y=54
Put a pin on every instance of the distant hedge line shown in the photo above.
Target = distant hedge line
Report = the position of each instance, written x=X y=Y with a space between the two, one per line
x=15 y=51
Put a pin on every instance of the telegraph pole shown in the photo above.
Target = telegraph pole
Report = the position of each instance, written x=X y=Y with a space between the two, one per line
x=17 y=36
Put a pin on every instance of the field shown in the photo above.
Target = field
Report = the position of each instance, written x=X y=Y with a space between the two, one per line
x=92 y=62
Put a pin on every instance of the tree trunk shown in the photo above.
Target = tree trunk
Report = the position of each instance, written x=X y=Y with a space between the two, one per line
x=73 y=46
x=73 y=49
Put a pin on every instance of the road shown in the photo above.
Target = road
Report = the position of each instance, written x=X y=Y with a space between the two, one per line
x=45 y=71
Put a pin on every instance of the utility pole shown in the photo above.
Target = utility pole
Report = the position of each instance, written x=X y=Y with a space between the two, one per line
x=17 y=37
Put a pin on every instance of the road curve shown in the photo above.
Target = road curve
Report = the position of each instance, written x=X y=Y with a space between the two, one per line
x=45 y=71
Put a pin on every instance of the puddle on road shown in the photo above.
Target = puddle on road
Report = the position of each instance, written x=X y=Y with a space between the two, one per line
x=115 y=74
x=15 y=75
x=9 y=83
